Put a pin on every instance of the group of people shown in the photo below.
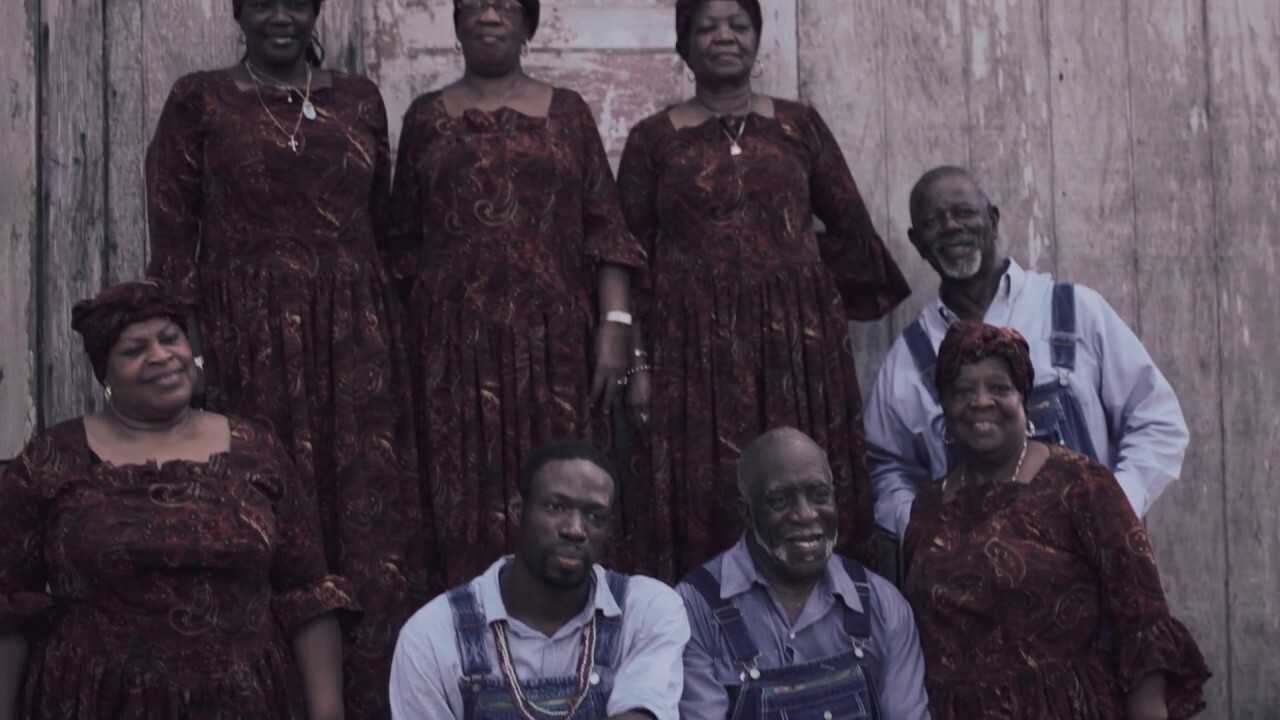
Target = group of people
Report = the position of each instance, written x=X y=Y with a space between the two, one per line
x=337 y=398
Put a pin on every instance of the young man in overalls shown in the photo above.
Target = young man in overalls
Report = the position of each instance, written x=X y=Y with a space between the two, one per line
x=1097 y=389
x=784 y=628
x=547 y=632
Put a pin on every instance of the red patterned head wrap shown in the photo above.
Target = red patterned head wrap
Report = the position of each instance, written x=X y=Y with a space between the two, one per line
x=968 y=342
x=101 y=320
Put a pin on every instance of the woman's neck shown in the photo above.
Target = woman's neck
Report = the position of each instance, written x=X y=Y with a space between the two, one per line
x=494 y=87
x=150 y=427
x=294 y=73
x=995 y=468
x=729 y=99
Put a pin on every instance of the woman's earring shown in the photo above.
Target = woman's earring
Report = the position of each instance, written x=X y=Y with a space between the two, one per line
x=1031 y=428
x=198 y=361
x=457 y=46
x=106 y=393
x=524 y=49
x=757 y=71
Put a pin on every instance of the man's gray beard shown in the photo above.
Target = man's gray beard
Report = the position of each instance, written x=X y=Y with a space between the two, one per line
x=960 y=270
x=827 y=547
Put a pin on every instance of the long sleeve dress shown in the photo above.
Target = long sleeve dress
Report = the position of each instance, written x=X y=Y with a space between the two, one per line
x=747 y=321
x=1042 y=600
x=297 y=321
x=160 y=592
x=500 y=223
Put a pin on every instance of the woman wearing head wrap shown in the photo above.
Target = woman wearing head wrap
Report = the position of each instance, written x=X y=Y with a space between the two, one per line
x=158 y=561
x=515 y=260
x=750 y=307
x=1032 y=580
x=267 y=190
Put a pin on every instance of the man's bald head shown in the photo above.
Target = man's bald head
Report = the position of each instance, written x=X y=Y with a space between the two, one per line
x=770 y=448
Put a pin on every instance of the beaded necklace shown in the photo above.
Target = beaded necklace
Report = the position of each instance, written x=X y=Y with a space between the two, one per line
x=586 y=676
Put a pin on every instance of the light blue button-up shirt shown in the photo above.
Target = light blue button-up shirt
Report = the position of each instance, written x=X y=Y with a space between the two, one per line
x=427 y=668
x=894 y=662
x=1132 y=414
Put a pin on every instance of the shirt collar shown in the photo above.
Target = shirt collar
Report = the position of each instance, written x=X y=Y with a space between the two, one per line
x=738 y=574
x=489 y=593
x=1011 y=283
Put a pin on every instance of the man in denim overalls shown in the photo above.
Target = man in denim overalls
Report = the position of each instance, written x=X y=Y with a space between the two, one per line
x=782 y=628
x=547 y=633
x=1097 y=389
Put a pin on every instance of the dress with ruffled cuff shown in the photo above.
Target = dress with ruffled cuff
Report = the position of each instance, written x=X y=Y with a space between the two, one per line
x=1042 y=600
x=172 y=589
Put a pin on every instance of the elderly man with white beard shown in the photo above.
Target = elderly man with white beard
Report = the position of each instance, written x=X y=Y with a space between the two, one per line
x=781 y=626
x=1097 y=389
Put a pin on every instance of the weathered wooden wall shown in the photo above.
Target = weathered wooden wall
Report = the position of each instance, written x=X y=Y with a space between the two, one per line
x=1133 y=145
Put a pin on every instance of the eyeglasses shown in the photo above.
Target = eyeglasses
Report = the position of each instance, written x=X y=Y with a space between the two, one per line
x=961 y=214
x=506 y=7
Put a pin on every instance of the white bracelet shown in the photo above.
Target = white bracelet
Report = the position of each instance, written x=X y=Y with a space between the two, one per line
x=618 y=316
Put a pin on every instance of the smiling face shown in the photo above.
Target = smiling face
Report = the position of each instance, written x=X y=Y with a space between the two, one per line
x=150 y=370
x=954 y=228
x=722 y=42
x=564 y=523
x=791 y=512
x=984 y=410
x=277 y=32
x=492 y=34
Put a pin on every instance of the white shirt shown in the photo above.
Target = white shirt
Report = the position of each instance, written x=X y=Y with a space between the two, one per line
x=1132 y=414
x=426 y=668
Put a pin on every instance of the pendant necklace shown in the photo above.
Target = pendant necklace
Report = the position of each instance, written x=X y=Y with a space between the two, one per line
x=722 y=119
x=964 y=475
x=308 y=110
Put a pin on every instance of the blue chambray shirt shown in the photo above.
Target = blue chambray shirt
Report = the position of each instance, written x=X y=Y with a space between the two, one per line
x=426 y=667
x=1132 y=413
x=896 y=667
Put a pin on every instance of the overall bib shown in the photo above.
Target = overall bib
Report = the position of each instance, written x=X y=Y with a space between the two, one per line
x=835 y=688
x=1052 y=408
x=486 y=693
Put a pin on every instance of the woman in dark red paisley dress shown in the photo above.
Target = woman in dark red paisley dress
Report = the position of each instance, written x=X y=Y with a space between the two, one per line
x=513 y=255
x=748 y=320
x=159 y=562
x=267 y=189
x=1032 y=580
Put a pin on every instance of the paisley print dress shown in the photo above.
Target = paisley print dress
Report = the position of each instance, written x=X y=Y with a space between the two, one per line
x=500 y=222
x=1042 y=600
x=160 y=592
x=298 y=324
x=748 y=319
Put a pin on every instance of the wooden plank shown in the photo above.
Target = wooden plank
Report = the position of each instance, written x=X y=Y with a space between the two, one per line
x=1011 y=146
x=179 y=37
x=926 y=120
x=341 y=30
x=1092 y=176
x=73 y=167
x=843 y=80
x=1244 y=107
x=1177 y=308
x=126 y=255
x=18 y=124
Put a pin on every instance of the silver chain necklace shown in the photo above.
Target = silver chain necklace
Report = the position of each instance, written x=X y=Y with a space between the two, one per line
x=735 y=147
x=307 y=111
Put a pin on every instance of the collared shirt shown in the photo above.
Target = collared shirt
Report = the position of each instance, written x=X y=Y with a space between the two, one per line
x=896 y=667
x=1132 y=414
x=427 y=668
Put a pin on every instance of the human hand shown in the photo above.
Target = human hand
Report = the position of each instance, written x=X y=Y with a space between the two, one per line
x=1147 y=701
x=611 y=362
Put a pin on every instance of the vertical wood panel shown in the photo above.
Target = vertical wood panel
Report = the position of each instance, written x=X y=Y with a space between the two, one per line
x=179 y=37
x=1011 y=145
x=926 y=119
x=18 y=122
x=1244 y=84
x=73 y=165
x=341 y=31
x=1177 y=292
x=1092 y=177
x=126 y=252
x=840 y=51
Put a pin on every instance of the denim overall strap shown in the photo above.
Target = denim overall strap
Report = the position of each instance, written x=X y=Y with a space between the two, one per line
x=727 y=616
x=609 y=629
x=1063 y=339
x=857 y=625
x=924 y=356
x=471 y=628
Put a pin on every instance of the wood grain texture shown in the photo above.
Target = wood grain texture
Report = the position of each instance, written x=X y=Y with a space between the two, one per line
x=18 y=123
x=341 y=30
x=126 y=233
x=74 y=171
x=1176 y=282
x=1092 y=172
x=841 y=65
x=1011 y=142
x=1244 y=107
